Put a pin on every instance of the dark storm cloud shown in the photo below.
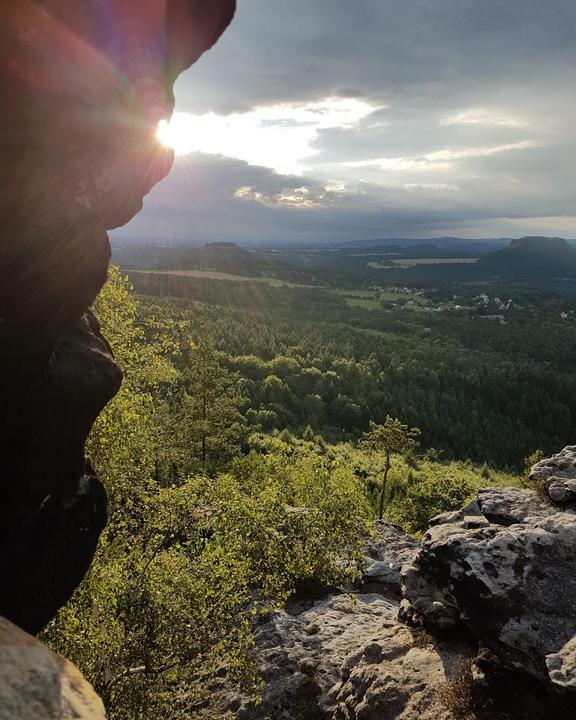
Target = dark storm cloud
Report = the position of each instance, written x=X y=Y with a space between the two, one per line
x=278 y=50
x=474 y=127
x=209 y=197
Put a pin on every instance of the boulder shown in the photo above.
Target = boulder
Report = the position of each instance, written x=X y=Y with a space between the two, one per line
x=504 y=567
x=36 y=684
x=386 y=551
x=83 y=85
x=556 y=476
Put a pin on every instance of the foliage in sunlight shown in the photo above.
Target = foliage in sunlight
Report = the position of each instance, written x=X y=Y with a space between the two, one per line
x=418 y=488
x=190 y=560
x=123 y=443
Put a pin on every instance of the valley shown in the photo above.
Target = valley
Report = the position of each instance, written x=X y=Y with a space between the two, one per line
x=430 y=349
x=275 y=406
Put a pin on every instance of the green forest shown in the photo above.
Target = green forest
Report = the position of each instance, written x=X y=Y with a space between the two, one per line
x=477 y=390
x=288 y=348
x=250 y=450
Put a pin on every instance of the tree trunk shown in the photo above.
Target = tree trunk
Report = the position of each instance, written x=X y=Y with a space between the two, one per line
x=204 y=423
x=384 y=483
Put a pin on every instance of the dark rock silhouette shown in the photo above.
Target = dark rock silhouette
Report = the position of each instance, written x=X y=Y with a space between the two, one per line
x=82 y=86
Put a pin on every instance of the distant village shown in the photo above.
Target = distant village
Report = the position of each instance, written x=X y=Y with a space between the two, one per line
x=482 y=306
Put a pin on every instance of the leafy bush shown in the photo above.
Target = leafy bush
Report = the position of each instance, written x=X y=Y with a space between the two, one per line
x=187 y=564
x=437 y=488
x=428 y=495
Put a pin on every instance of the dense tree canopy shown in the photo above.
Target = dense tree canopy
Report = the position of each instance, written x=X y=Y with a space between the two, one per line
x=235 y=475
x=476 y=390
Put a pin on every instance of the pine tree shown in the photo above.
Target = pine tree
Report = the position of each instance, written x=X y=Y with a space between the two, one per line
x=209 y=424
x=392 y=437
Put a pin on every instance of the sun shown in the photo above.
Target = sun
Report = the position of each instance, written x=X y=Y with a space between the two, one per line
x=186 y=133
x=279 y=136
x=168 y=135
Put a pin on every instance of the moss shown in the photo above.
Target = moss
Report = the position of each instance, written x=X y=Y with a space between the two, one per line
x=456 y=694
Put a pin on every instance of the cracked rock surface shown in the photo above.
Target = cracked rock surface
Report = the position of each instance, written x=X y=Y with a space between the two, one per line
x=505 y=568
x=346 y=657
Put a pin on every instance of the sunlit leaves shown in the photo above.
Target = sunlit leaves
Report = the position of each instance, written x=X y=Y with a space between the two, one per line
x=201 y=539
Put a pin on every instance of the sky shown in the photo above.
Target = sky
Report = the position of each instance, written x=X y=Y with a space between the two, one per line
x=338 y=120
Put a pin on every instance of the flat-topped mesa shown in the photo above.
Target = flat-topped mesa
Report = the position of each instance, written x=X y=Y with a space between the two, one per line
x=82 y=86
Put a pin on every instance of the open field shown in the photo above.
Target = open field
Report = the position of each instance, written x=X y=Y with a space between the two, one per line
x=365 y=302
x=367 y=298
x=408 y=262
x=218 y=275
x=358 y=298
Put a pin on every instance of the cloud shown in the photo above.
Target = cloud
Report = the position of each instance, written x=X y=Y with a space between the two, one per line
x=278 y=51
x=276 y=136
x=210 y=197
x=406 y=118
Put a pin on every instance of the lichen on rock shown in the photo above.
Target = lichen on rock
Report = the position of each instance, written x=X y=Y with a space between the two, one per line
x=556 y=476
x=505 y=568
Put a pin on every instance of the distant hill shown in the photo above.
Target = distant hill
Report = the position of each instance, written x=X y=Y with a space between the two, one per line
x=450 y=244
x=414 y=250
x=532 y=256
x=221 y=256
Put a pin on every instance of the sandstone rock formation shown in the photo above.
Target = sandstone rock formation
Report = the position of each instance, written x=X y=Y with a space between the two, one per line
x=82 y=86
x=505 y=568
x=478 y=621
x=556 y=476
x=36 y=684
x=387 y=551
x=346 y=657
